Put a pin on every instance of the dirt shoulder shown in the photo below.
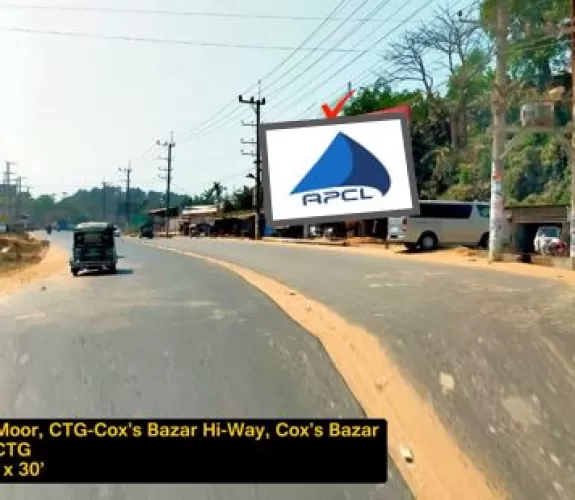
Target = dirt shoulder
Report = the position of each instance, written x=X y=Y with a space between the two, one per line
x=454 y=256
x=24 y=259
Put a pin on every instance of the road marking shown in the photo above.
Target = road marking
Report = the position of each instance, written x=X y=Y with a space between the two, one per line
x=442 y=470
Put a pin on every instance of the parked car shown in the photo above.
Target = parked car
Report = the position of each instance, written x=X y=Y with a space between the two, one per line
x=443 y=223
x=545 y=237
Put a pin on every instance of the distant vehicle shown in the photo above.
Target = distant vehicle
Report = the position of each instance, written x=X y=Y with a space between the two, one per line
x=146 y=231
x=546 y=237
x=443 y=223
x=94 y=248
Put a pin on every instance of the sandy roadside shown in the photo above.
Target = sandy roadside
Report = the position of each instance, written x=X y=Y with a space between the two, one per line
x=449 y=256
x=55 y=261
x=441 y=470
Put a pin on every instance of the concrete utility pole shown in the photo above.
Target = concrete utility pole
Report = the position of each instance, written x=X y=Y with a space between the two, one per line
x=170 y=145
x=128 y=172
x=18 y=205
x=8 y=187
x=499 y=110
x=104 y=212
x=257 y=103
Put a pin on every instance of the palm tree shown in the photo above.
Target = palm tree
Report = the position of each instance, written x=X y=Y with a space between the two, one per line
x=217 y=191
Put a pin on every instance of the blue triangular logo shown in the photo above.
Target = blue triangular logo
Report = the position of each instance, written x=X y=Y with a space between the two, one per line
x=345 y=163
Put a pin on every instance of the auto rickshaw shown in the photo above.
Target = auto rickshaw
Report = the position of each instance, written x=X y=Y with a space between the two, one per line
x=146 y=231
x=94 y=248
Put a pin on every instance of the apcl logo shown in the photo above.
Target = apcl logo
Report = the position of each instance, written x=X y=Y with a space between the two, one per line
x=347 y=172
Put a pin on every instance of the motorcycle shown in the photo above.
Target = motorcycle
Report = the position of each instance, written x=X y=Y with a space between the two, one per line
x=557 y=248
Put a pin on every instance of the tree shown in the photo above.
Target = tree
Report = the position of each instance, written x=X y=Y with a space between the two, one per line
x=427 y=133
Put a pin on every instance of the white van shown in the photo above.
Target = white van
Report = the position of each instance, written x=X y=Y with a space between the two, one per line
x=443 y=223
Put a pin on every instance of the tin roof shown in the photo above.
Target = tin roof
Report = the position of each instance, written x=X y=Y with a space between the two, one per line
x=200 y=210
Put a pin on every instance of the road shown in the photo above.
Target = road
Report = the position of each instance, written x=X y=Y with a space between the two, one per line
x=493 y=352
x=168 y=336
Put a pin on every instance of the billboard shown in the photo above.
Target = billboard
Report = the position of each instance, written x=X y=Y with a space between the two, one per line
x=341 y=169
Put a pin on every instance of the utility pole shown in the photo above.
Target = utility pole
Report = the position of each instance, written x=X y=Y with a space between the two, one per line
x=257 y=104
x=8 y=187
x=104 y=213
x=251 y=176
x=499 y=110
x=18 y=206
x=128 y=172
x=170 y=145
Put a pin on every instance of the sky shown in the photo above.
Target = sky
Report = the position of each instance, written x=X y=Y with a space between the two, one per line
x=74 y=110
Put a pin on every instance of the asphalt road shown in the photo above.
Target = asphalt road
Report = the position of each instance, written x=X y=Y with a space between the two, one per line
x=493 y=352
x=168 y=336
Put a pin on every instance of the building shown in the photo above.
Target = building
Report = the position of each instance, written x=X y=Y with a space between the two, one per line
x=158 y=219
x=524 y=222
x=198 y=215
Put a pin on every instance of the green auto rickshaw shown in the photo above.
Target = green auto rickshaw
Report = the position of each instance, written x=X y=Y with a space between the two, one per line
x=94 y=248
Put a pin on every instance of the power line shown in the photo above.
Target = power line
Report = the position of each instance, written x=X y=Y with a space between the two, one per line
x=305 y=89
x=368 y=75
x=168 y=12
x=321 y=58
x=126 y=38
x=225 y=108
x=297 y=77
x=267 y=88
x=366 y=51
x=228 y=119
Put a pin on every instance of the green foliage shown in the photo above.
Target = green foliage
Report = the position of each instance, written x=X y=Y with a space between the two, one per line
x=86 y=205
x=449 y=129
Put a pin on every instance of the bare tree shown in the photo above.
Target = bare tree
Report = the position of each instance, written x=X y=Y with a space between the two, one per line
x=465 y=53
x=453 y=35
x=408 y=61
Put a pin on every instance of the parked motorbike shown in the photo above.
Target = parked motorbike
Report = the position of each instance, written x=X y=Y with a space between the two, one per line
x=557 y=248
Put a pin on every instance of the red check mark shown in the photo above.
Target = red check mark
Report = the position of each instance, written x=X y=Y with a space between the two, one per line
x=332 y=113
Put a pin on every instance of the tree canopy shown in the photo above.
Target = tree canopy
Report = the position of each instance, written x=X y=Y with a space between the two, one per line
x=451 y=141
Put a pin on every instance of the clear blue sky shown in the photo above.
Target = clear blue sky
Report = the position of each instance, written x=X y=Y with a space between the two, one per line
x=73 y=110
